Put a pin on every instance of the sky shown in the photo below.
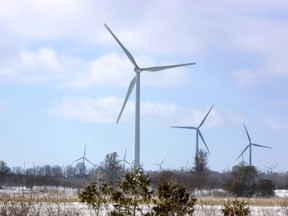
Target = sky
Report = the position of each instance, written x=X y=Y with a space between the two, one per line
x=63 y=79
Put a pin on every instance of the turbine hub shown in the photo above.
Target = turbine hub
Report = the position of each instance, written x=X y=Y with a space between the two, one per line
x=137 y=70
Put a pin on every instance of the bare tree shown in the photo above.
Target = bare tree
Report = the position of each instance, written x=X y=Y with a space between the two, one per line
x=201 y=162
x=111 y=168
x=243 y=180
x=200 y=170
x=70 y=171
x=81 y=169
x=4 y=169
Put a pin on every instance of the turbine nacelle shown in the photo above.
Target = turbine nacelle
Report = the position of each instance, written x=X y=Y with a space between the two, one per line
x=137 y=69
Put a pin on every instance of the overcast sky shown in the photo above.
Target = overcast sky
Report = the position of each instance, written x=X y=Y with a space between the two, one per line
x=63 y=79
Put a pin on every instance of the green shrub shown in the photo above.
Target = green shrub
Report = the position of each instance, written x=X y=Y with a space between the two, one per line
x=265 y=188
x=133 y=192
x=95 y=195
x=173 y=200
x=236 y=208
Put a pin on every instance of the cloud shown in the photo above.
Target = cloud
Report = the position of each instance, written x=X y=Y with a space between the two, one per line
x=276 y=124
x=193 y=117
x=66 y=71
x=246 y=27
x=102 y=110
x=47 y=20
x=246 y=78
x=32 y=66
x=106 y=110
x=267 y=41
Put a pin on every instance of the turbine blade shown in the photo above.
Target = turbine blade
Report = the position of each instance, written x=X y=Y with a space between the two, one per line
x=275 y=166
x=247 y=133
x=77 y=159
x=123 y=48
x=131 y=86
x=260 y=145
x=162 y=161
x=84 y=150
x=153 y=69
x=89 y=162
x=125 y=154
x=205 y=117
x=204 y=141
x=183 y=127
x=243 y=151
x=128 y=163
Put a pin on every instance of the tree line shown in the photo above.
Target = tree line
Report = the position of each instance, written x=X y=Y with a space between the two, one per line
x=241 y=180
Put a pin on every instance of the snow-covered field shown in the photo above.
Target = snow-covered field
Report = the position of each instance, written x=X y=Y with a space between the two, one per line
x=281 y=193
x=64 y=201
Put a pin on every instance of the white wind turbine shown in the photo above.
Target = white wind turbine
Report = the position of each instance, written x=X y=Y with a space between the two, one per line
x=270 y=168
x=198 y=133
x=160 y=165
x=125 y=161
x=136 y=80
x=84 y=158
x=242 y=160
x=250 y=147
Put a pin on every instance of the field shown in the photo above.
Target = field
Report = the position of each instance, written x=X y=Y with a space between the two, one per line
x=64 y=201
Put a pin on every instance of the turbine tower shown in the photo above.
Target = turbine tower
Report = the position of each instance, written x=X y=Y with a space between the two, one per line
x=198 y=133
x=136 y=81
x=250 y=147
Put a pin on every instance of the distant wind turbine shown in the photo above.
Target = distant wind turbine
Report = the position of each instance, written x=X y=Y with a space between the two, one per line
x=242 y=160
x=250 y=147
x=125 y=161
x=198 y=133
x=136 y=80
x=84 y=158
x=270 y=168
x=160 y=165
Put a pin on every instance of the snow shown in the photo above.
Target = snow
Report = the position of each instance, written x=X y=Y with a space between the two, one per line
x=200 y=209
x=281 y=193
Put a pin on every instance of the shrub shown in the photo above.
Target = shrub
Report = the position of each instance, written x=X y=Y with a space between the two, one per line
x=133 y=191
x=242 y=182
x=266 y=188
x=173 y=200
x=236 y=208
x=96 y=195
x=284 y=206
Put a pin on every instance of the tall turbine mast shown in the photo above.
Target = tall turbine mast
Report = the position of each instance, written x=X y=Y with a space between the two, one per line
x=136 y=81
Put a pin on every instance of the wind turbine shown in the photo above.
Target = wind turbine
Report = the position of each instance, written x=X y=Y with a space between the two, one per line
x=160 y=165
x=242 y=160
x=84 y=158
x=250 y=147
x=270 y=169
x=198 y=133
x=125 y=161
x=136 y=81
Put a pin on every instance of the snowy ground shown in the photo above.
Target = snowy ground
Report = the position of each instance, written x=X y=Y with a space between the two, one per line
x=77 y=208
x=281 y=193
